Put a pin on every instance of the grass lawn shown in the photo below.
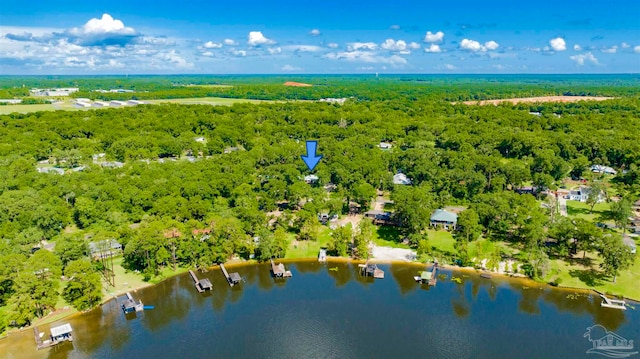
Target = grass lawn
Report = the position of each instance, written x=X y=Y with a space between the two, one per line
x=308 y=249
x=129 y=280
x=441 y=240
x=388 y=236
x=587 y=275
x=581 y=210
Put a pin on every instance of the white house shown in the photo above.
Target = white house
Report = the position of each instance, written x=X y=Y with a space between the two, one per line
x=603 y=169
x=200 y=139
x=310 y=179
x=81 y=104
x=11 y=101
x=384 y=145
x=134 y=102
x=55 y=170
x=117 y=103
x=100 y=104
x=401 y=178
x=582 y=194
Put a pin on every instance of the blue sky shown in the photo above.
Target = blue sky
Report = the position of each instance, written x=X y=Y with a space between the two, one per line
x=259 y=37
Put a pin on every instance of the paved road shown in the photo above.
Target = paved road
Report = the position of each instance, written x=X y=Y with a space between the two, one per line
x=562 y=206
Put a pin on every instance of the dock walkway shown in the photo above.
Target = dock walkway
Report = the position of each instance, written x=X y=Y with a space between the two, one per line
x=201 y=284
x=233 y=278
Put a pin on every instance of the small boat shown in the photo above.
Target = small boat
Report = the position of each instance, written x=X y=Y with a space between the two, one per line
x=417 y=278
x=486 y=275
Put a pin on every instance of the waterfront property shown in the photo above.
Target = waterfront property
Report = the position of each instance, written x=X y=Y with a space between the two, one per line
x=105 y=249
x=444 y=219
x=201 y=284
x=58 y=335
x=232 y=278
x=279 y=271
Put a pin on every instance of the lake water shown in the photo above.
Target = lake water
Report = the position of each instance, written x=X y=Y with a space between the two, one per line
x=321 y=313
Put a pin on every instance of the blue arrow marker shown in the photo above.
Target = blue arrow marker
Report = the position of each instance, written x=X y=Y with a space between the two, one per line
x=311 y=160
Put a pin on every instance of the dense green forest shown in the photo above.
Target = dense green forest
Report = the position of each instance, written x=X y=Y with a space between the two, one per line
x=363 y=87
x=199 y=182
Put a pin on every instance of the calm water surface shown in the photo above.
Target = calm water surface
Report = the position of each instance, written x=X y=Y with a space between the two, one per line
x=338 y=314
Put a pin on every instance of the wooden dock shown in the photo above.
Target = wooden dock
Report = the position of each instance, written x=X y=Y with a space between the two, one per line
x=434 y=279
x=202 y=284
x=322 y=256
x=233 y=278
x=371 y=270
x=612 y=303
x=279 y=271
x=58 y=335
x=130 y=305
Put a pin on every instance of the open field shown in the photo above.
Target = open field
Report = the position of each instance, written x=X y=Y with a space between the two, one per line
x=205 y=101
x=308 y=249
x=68 y=105
x=538 y=99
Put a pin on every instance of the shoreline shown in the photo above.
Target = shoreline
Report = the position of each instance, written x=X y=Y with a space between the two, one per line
x=243 y=263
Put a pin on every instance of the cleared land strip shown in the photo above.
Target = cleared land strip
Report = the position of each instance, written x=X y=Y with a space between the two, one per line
x=68 y=105
x=538 y=99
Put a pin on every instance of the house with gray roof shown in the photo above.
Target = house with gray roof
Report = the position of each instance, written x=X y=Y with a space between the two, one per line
x=444 y=219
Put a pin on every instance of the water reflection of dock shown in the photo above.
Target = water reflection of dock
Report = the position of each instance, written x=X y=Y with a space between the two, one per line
x=233 y=278
x=201 y=284
x=279 y=270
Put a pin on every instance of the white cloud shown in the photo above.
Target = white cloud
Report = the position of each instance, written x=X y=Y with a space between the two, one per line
x=449 y=67
x=303 y=48
x=230 y=42
x=175 y=59
x=577 y=47
x=433 y=48
x=394 y=27
x=624 y=45
x=392 y=45
x=256 y=39
x=274 y=50
x=212 y=45
x=581 y=59
x=354 y=46
x=610 y=50
x=366 y=56
x=237 y=53
x=558 y=44
x=314 y=32
x=475 y=46
x=104 y=25
x=208 y=54
x=332 y=45
x=290 y=68
x=414 y=45
x=637 y=49
x=491 y=45
x=431 y=37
